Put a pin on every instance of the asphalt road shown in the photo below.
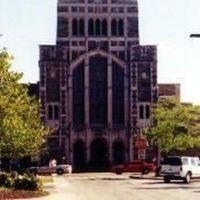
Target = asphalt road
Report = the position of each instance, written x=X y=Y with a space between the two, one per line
x=107 y=186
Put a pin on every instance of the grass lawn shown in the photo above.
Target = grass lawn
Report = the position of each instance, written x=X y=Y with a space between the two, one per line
x=7 y=193
x=20 y=194
x=46 y=179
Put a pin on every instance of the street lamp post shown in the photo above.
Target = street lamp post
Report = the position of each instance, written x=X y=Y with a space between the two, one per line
x=195 y=35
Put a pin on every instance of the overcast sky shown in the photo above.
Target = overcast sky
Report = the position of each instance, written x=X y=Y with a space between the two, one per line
x=167 y=23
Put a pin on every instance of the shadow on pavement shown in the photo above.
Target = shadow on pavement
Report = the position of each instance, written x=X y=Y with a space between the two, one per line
x=175 y=182
x=153 y=183
x=108 y=179
x=165 y=188
x=114 y=179
x=146 y=177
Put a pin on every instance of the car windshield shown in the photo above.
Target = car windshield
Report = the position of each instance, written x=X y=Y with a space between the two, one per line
x=176 y=161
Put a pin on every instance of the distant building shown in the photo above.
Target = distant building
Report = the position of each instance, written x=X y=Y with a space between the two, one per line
x=166 y=90
x=33 y=89
x=97 y=84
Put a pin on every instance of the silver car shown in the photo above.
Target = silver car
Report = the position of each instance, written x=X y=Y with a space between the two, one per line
x=58 y=169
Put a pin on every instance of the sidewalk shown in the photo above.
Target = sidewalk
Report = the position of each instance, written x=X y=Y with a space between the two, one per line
x=57 y=190
x=51 y=188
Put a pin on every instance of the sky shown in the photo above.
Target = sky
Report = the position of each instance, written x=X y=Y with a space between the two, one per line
x=25 y=24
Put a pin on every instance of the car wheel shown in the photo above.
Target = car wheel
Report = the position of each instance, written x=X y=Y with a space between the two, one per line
x=187 y=178
x=60 y=171
x=167 y=179
x=119 y=171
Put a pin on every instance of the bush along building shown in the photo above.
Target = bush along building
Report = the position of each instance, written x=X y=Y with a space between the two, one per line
x=97 y=84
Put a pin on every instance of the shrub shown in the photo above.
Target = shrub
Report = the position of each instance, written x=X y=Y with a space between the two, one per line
x=14 y=174
x=6 y=180
x=20 y=182
x=27 y=182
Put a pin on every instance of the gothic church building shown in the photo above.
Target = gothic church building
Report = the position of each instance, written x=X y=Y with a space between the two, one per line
x=97 y=85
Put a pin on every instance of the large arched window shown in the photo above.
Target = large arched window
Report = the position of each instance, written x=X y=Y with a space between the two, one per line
x=81 y=27
x=98 y=27
x=120 y=27
x=78 y=95
x=98 y=90
x=118 y=94
x=91 y=27
x=104 y=27
x=114 y=27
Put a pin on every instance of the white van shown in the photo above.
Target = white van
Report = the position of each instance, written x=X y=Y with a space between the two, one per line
x=180 y=168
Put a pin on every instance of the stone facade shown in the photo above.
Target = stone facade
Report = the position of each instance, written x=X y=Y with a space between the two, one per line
x=97 y=84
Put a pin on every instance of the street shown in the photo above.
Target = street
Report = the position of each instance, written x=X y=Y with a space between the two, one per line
x=107 y=186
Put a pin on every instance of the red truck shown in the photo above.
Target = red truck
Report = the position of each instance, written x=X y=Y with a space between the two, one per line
x=134 y=166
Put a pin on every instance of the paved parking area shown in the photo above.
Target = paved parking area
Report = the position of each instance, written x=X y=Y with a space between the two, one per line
x=107 y=186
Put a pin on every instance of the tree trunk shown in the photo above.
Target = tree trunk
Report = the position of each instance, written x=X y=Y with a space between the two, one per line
x=158 y=163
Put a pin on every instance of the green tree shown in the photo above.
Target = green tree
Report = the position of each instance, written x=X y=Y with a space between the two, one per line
x=21 y=131
x=177 y=126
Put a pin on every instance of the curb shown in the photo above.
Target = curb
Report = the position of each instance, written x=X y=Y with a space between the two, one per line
x=145 y=177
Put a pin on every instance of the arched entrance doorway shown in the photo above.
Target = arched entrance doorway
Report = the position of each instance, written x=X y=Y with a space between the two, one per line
x=118 y=149
x=99 y=155
x=79 y=158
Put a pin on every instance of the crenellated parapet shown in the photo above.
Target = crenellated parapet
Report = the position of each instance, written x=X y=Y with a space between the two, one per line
x=146 y=53
x=53 y=53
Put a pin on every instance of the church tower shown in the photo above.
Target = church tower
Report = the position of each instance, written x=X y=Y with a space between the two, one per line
x=97 y=84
